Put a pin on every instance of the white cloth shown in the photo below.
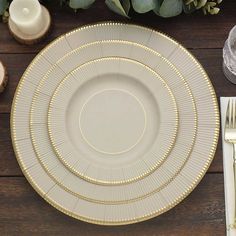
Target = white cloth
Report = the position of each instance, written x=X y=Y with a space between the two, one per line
x=228 y=173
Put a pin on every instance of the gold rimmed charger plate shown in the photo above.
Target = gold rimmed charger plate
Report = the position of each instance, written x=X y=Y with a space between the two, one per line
x=197 y=166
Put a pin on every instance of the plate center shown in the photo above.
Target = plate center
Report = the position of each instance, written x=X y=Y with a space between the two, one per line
x=112 y=121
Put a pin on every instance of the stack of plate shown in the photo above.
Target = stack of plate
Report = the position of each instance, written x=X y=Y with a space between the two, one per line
x=114 y=123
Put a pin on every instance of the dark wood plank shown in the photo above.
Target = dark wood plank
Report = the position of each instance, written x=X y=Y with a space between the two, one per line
x=194 y=31
x=212 y=59
x=24 y=212
x=9 y=165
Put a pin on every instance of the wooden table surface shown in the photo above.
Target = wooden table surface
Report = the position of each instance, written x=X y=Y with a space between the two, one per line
x=24 y=212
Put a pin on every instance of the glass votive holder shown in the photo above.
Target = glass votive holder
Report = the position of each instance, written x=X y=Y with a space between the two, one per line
x=229 y=56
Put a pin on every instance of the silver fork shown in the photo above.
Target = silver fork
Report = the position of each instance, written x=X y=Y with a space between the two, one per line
x=230 y=137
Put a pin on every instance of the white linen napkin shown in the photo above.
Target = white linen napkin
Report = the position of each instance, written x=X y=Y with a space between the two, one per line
x=228 y=173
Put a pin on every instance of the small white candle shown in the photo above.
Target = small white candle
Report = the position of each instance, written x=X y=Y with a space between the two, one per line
x=27 y=16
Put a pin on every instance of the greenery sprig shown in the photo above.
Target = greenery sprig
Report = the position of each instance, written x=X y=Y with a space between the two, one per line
x=163 y=8
x=210 y=7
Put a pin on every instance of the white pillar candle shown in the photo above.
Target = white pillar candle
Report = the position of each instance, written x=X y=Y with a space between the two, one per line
x=27 y=16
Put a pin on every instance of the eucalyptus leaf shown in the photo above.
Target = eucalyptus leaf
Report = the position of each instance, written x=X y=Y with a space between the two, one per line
x=126 y=5
x=170 y=8
x=189 y=8
x=84 y=4
x=3 y=6
x=143 y=6
x=120 y=7
x=157 y=8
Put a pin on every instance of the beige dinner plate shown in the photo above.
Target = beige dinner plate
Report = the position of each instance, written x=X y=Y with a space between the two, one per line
x=173 y=191
x=112 y=120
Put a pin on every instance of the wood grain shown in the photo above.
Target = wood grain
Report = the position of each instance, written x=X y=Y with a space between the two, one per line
x=23 y=212
x=8 y=163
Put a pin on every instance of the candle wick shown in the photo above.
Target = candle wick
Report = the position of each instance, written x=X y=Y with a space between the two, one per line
x=25 y=11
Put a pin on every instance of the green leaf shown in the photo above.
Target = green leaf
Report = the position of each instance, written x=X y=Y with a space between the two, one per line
x=143 y=6
x=84 y=4
x=157 y=8
x=189 y=8
x=170 y=8
x=3 y=6
x=126 y=5
x=120 y=7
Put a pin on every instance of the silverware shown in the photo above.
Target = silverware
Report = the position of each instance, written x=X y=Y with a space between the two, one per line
x=230 y=137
